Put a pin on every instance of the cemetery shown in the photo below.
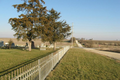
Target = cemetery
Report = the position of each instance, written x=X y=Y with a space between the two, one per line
x=41 y=48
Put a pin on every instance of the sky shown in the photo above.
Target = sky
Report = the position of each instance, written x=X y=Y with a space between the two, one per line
x=92 y=19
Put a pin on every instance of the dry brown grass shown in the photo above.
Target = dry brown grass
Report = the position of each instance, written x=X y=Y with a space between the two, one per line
x=105 y=46
x=63 y=44
x=110 y=49
x=102 y=43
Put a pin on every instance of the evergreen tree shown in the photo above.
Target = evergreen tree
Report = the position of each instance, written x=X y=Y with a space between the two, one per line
x=10 y=43
x=28 y=26
x=72 y=38
x=54 y=30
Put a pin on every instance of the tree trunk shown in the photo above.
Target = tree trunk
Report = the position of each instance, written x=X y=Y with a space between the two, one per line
x=29 y=45
x=54 y=45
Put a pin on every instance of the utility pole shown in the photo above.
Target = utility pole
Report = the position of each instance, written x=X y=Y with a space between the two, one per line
x=72 y=34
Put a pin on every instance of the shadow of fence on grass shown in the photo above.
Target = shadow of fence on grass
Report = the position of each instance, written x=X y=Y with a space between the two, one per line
x=23 y=63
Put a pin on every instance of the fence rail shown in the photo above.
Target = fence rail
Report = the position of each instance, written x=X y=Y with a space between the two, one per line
x=37 y=70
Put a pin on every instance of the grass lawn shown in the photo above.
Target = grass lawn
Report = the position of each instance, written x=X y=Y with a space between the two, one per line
x=79 y=64
x=13 y=57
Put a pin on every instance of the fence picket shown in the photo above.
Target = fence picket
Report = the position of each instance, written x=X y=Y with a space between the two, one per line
x=0 y=77
x=5 y=76
x=17 y=72
x=9 y=76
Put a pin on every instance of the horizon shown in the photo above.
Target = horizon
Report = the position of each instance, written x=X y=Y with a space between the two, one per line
x=97 y=20
x=63 y=39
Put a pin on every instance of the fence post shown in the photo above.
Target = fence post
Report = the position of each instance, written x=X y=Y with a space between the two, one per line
x=52 y=61
x=39 y=69
x=58 y=55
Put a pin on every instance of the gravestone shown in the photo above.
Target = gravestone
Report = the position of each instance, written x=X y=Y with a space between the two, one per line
x=32 y=44
x=6 y=44
x=26 y=46
x=38 y=46
x=57 y=47
x=13 y=45
x=51 y=46
x=1 y=43
x=43 y=47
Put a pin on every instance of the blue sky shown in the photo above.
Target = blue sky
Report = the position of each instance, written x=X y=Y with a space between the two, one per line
x=97 y=19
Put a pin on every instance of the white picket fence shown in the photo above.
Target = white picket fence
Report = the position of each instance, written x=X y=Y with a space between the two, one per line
x=40 y=68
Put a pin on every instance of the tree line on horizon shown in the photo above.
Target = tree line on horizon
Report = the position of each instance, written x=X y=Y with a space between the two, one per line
x=38 y=22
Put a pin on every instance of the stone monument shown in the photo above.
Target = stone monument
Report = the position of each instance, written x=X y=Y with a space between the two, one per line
x=1 y=43
x=51 y=46
x=32 y=44
x=13 y=45
x=43 y=47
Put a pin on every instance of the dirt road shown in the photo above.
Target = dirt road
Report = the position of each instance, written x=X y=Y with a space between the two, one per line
x=109 y=54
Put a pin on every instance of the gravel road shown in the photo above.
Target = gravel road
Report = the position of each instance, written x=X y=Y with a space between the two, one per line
x=109 y=54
